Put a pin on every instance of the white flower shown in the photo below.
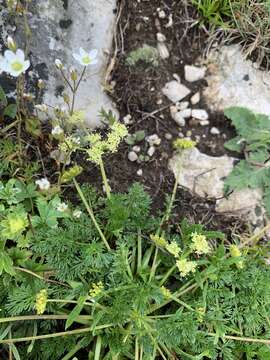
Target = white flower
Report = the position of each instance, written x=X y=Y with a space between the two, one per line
x=43 y=184
x=14 y=63
x=77 y=213
x=41 y=107
x=62 y=207
x=86 y=58
x=59 y=64
x=76 y=140
x=57 y=130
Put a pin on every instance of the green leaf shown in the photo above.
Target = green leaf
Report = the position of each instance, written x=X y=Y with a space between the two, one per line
x=75 y=312
x=11 y=111
x=245 y=175
x=6 y=264
x=139 y=135
x=235 y=144
x=3 y=98
x=33 y=126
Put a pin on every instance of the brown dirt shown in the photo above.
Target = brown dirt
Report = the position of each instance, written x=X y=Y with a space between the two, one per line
x=136 y=92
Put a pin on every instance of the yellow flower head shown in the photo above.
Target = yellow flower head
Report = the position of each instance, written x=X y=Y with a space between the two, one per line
x=96 y=289
x=165 y=292
x=118 y=132
x=199 y=244
x=41 y=301
x=200 y=313
x=173 y=248
x=235 y=253
x=185 y=267
x=77 y=117
x=158 y=240
x=184 y=144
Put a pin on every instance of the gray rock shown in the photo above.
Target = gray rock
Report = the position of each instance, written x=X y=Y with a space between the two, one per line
x=194 y=73
x=60 y=28
x=214 y=131
x=195 y=99
x=175 y=91
x=185 y=113
x=235 y=81
x=175 y=114
x=132 y=156
x=168 y=136
x=204 y=175
x=200 y=114
x=151 y=151
x=136 y=148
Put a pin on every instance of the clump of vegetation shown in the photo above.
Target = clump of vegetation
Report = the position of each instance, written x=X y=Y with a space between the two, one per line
x=97 y=276
x=252 y=140
x=147 y=54
x=246 y=21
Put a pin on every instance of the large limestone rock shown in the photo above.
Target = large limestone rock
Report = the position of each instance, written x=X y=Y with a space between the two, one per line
x=235 y=81
x=204 y=175
x=58 y=29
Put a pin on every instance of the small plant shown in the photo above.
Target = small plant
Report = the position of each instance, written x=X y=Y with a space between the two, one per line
x=252 y=140
x=147 y=54
x=215 y=12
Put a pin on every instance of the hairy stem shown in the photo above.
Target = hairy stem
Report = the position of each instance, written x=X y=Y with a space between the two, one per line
x=105 y=179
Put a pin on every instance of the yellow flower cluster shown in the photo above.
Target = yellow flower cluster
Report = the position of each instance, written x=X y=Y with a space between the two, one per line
x=99 y=146
x=158 y=240
x=199 y=244
x=165 y=292
x=77 y=117
x=96 y=289
x=70 y=144
x=173 y=248
x=185 y=266
x=235 y=253
x=41 y=301
x=184 y=144
x=200 y=313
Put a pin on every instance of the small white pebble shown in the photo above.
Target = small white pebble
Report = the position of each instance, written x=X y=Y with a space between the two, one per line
x=185 y=113
x=195 y=99
x=159 y=102
x=189 y=133
x=161 y=37
x=151 y=151
x=136 y=148
x=132 y=156
x=161 y=14
x=204 y=122
x=214 y=131
x=183 y=105
x=168 y=136
x=127 y=119
x=200 y=114
x=153 y=140
x=139 y=172
x=181 y=135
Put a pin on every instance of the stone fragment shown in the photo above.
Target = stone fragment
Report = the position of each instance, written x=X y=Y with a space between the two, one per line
x=185 y=113
x=161 y=37
x=214 y=131
x=139 y=172
x=175 y=114
x=194 y=73
x=195 y=99
x=151 y=151
x=200 y=114
x=153 y=140
x=175 y=91
x=168 y=136
x=204 y=122
x=132 y=156
x=163 y=50
x=136 y=148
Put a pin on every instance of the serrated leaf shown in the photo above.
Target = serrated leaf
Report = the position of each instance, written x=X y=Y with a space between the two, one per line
x=245 y=175
x=236 y=144
x=75 y=312
x=11 y=111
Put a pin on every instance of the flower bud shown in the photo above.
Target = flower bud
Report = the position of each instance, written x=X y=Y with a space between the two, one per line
x=73 y=74
x=59 y=64
x=66 y=98
x=11 y=44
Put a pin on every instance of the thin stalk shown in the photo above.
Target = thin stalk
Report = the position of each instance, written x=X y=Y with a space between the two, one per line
x=73 y=351
x=139 y=251
x=39 y=276
x=137 y=350
x=256 y=237
x=105 y=180
x=169 y=208
x=91 y=214
x=167 y=275
x=244 y=339
x=98 y=348
x=47 y=336
x=154 y=265
x=40 y=317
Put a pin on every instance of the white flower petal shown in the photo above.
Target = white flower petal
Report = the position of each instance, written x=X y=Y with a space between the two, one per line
x=20 y=55
x=93 y=53
x=9 y=55
x=82 y=52
x=77 y=57
x=94 y=61
x=26 y=65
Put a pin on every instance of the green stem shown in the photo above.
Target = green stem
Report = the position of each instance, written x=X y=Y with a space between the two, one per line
x=154 y=265
x=98 y=348
x=105 y=180
x=91 y=214
x=73 y=351
x=167 y=275
x=244 y=339
x=136 y=349
x=40 y=317
x=139 y=252
x=47 y=336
